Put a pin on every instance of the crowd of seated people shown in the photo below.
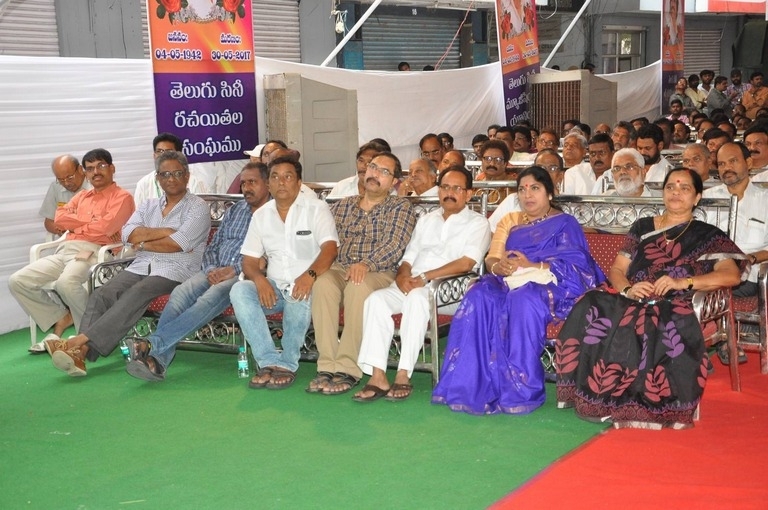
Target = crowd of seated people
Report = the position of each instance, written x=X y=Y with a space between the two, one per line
x=366 y=252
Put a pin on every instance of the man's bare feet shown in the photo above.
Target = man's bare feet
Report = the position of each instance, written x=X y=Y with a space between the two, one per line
x=62 y=324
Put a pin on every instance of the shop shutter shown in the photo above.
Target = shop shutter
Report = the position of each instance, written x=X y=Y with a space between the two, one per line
x=419 y=40
x=28 y=27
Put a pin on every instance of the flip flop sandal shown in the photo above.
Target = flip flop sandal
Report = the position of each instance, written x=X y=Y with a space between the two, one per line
x=346 y=381
x=290 y=378
x=377 y=393
x=261 y=373
x=399 y=387
x=322 y=378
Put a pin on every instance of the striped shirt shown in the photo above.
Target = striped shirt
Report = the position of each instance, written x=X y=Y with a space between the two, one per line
x=191 y=220
x=224 y=249
x=378 y=237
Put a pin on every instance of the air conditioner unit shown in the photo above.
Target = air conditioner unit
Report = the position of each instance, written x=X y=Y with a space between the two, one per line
x=317 y=119
x=578 y=94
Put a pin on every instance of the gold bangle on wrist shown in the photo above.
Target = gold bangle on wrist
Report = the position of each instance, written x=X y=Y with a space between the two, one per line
x=690 y=282
x=492 y=266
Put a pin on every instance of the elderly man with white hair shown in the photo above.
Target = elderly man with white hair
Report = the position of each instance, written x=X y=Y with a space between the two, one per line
x=628 y=169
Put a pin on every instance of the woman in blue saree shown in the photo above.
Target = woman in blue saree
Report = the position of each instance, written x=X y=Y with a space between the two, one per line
x=492 y=362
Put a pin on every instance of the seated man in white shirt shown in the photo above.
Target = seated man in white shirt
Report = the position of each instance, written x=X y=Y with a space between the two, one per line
x=628 y=168
x=422 y=176
x=148 y=187
x=574 y=149
x=70 y=179
x=697 y=157
x=353 y=186
x=650 y=142
x=449 y=240
x=733 y=163
x=756 y=140
x=585 y=178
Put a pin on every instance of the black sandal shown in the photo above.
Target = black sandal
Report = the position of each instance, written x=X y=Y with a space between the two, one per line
x=340 y=379
x=321 y=380
x=261 y=373
x=282 y=373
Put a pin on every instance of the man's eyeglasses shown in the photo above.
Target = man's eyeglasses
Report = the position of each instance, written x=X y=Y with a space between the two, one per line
x=455 y=189
x=629 y=167
x=160 y=151
x=553 y=169
x=494 y=159
x=164 y=176
x=427 y=154
x=101 y=166
x=373 y=167
x=67 y=179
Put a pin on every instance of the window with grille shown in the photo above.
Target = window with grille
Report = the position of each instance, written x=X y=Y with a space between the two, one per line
x=623 y=49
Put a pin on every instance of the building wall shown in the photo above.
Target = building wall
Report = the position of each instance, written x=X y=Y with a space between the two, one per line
x=318 y=37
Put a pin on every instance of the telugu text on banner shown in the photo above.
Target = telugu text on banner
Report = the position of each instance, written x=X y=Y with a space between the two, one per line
x=518 y=53
x=205 y=84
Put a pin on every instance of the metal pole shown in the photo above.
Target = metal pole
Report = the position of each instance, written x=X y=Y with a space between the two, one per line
x=351 y=33
x=567 y=31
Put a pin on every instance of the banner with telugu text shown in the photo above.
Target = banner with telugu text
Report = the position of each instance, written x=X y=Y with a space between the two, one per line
x=672 y=49
x=518 y=53
x=204 y=75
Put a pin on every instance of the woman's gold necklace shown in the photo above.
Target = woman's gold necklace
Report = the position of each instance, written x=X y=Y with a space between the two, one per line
x=666 y=239
x=527 y=220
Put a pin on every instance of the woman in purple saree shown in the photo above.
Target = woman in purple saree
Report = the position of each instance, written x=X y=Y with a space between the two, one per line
x=492 y=362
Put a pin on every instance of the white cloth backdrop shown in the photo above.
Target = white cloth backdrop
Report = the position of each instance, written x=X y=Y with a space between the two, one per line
x=52 y=106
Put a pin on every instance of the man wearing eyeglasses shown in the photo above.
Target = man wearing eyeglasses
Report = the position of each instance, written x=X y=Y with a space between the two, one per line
x=169 y=235
x=206 y=294
x=431 y=148
x=628 y=169
x=93 y=218
x=148 y=187
x=374 y=230
x=450 y=240
x=355 y=185
x=70 y=179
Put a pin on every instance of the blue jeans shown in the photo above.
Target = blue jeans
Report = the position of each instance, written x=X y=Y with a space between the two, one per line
x=252 y=319
x=192 y=305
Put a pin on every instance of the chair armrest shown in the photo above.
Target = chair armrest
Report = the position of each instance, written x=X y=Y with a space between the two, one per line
x=36 y=250
x=711 y=305
x=449 y=290
x=102 y=272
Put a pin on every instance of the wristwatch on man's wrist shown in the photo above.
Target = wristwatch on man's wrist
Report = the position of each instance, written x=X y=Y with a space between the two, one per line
x=312 y=273
x=423 y=277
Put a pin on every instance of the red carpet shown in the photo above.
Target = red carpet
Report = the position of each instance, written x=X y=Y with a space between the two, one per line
x=720 y=463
